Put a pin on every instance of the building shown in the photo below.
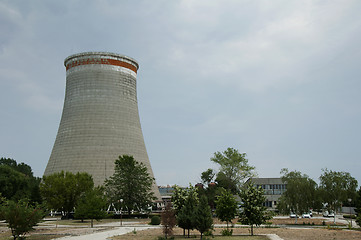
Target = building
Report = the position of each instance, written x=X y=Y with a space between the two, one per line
x=273 y=189
x=166 y=193
x=100 y=119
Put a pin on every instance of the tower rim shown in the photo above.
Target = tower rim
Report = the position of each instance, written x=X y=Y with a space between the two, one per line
x=110 y=54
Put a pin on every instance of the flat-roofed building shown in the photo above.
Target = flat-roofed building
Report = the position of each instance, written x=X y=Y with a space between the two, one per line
x=273 y=189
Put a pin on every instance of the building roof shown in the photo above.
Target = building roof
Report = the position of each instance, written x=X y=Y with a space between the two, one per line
x=264 y=181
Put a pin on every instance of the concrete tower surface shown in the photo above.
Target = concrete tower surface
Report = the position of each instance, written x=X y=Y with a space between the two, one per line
x=100 y=119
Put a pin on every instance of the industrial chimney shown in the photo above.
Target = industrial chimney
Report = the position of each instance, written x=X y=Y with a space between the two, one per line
x=100 y=119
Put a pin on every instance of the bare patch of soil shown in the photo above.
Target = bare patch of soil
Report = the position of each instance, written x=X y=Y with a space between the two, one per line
x=285 y=233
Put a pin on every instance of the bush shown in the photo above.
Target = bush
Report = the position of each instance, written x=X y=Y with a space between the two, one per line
x=21 y=217
x=208 y=233
x=226 y=232
x=163 y=238
x=155 y=220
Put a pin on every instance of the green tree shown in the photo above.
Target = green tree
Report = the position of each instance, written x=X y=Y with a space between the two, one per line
x=168 y=220
x=226 y=207
x=337 y=188
x=207 y=176
x=130 y=182
x=234 y=169
x=91 y=205
x=180 y=195
x=186 y=215
x=203 y=216
x=17 y=181
x=300 y=194
x=358 y=206
x=61 y=191
x=21 y=167
x=253 y=212
x=13 y=184
x=21 y=217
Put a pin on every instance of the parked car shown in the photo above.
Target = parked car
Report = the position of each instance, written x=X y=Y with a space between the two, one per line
x=331 y=214
x=328 y=214
x=306 y=215
x=293 y=215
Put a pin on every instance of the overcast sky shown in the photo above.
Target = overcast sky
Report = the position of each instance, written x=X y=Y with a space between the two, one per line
x=279 y=80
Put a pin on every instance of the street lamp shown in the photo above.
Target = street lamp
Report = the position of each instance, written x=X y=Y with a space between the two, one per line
x=349 y=200
x=121 y=208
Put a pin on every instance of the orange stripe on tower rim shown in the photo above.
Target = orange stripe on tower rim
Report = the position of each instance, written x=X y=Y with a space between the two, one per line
x=104 y=61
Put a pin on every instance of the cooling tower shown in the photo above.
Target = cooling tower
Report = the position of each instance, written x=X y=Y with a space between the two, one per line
x=100 y=119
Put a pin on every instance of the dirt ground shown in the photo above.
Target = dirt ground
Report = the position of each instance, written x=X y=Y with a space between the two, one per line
x=285 y=233
x=305 y=229
x=288 y=231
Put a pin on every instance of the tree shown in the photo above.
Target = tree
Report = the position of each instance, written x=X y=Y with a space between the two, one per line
x=17 y=181
x=61 y=191
x=207 y=176
x=168 y=220
x=337 y=188
x=253 y=212
x=91 y=205
x=300 y=194
x=186 y=215
x=21 y=167
x=358 y=206
x=203 y=217
x=226 y=207
x=180 y=198
x=180 y=195
x=234 y=169
x=21 y=217
x=13 y=184
x=130 y=182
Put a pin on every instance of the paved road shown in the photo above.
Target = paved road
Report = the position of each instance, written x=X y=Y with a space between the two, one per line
x=104 y=235
x=109 y=233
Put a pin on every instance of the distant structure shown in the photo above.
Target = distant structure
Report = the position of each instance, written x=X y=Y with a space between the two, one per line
x=100 y=119
x=273 y=189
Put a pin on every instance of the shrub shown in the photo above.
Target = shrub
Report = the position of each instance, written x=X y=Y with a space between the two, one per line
x=226 y=232
x=21 y=217
x=209 y=233
x=155 y=220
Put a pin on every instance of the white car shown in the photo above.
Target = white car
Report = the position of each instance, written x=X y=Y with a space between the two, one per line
x=306 y=215
x=328 y=214
x=293 y=215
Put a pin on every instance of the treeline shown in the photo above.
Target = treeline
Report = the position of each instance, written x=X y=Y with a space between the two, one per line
x=25 y=199
x=223 y=192
x=18 y=182
x=335 y=189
